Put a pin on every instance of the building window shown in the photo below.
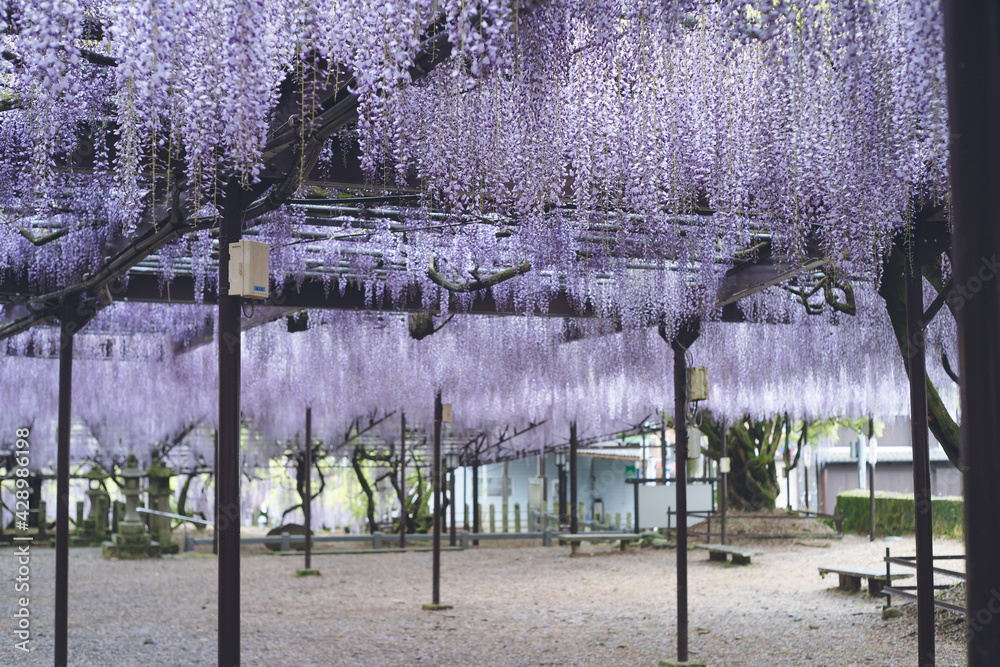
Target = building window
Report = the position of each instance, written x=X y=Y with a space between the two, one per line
x=493 y=485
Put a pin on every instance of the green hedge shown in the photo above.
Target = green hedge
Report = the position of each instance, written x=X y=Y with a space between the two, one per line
x=894 y=513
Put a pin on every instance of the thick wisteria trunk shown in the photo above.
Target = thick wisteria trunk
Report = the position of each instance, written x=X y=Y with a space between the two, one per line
x=752 y=445
x=892 y=289
x=356 y=460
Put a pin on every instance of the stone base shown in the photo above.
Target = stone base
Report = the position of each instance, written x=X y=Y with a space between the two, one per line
x=115 y=551
x=307 y=573
x=84 y=541
x=678 y=663
x=437 y=607
x=172 y=548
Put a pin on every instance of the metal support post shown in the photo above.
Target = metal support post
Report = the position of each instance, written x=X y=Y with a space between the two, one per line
x=680 y=345
x=403 y=515
x=476 y=527
x=67 y=328
x=724 y=488
x=307 y=501
x=921 y=462
x=436 y=476
x=453 y=504
x=573 y=520
x=228 y=454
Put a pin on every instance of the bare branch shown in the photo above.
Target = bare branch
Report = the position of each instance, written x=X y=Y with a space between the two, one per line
x=946 y=364
x=475 y=285
x=848 y=305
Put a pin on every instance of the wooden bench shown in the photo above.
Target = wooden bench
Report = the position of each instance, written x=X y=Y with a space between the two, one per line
x=575 y=539
x=850 y=577
x=719 y=552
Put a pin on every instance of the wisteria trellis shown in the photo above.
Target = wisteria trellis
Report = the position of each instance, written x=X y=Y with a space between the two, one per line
x=579 y=136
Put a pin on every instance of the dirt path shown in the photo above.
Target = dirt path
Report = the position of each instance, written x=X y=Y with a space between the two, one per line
x=525 y=606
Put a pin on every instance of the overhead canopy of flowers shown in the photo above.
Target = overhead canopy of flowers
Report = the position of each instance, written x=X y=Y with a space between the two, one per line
x=623 y=155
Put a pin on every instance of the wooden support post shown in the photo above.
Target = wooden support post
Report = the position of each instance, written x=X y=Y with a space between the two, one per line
x=517 y=517
x=972 y=58
x=493 y=524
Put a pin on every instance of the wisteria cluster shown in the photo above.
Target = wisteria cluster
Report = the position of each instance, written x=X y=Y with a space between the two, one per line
x=577 y=137
x=619 y=154
x=134 y=391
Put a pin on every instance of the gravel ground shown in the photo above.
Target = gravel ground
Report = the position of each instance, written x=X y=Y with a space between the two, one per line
x=516 y=606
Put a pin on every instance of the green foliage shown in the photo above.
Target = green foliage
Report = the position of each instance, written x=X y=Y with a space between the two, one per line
x=895 y=515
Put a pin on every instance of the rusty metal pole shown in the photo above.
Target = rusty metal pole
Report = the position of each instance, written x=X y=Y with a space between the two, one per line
x=972 y=59
x=436 y=476
x=307 y=501
x=921 y=461
x=573 y=520
x=403 y=515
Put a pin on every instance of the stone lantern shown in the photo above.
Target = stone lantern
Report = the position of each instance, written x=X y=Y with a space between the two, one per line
x=159 y=500
x=131 y=540
x=94 y=529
